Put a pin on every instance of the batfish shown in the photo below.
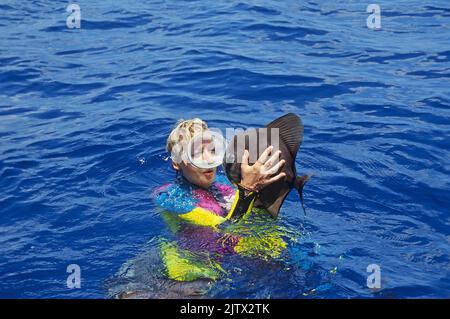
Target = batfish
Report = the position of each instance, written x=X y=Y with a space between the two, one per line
x=286 y=135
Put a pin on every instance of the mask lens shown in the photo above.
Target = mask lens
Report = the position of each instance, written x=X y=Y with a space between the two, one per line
x=206 y=150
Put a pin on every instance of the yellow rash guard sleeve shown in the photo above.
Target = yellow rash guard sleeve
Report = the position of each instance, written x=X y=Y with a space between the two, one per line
x=202 y=217
x=182 y=265
x=264 y=247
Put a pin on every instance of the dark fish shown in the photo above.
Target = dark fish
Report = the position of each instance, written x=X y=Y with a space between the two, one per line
x=289 y=129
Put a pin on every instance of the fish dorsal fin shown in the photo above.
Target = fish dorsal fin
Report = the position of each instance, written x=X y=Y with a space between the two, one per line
x=291 y=131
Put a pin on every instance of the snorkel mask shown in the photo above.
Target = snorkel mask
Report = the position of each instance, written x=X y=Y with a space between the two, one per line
x=205 y=150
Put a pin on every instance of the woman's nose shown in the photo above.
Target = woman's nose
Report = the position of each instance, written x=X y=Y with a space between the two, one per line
x=208 y=156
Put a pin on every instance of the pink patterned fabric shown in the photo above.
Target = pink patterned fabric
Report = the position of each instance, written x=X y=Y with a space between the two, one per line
x=225 y=190
x=207 y=201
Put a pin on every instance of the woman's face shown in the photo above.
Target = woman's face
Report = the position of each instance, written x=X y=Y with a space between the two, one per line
x=203 y=150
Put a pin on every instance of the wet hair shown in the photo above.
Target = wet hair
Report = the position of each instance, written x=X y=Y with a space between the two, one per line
x=183 y=132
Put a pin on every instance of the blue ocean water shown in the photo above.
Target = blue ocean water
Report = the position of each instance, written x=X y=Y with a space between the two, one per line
x=84 y=114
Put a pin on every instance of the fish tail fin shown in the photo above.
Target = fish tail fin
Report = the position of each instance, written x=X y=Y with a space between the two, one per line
x=299 y=183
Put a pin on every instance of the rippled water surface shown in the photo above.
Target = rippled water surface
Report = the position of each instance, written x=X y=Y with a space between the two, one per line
x=84 y=114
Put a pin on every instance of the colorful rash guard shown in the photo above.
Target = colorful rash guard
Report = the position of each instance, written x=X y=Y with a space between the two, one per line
x=196 y=205
x=200 y=220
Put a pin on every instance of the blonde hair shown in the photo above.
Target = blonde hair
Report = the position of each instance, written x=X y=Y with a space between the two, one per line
x=183 y=132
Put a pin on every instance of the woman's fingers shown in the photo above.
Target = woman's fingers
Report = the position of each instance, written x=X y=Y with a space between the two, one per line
x=273 y=160
x=265 y=155
x=275 y=168
x=275 y=178
x=245 y=157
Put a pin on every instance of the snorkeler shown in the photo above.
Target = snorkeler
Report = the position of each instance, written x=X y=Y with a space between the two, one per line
x=202 y=208
x=200 y=202
x=195 y=165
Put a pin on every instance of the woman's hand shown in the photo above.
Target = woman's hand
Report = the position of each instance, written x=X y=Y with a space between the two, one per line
x=255 y=177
